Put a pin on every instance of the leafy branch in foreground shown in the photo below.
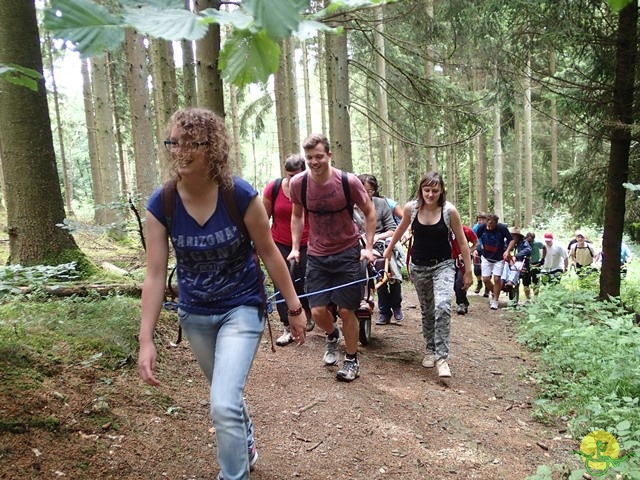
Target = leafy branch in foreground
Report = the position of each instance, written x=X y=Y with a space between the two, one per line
x=249 y=55
x=20 y=75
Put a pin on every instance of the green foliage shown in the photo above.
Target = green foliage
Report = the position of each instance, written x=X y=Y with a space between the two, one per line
x=588 y=365
x=18 y=75
x=91 y=331
x=12 y=276
x=249 y=57
x=617 y=5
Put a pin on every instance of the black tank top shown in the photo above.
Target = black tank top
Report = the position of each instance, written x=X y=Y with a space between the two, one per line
x=430 y=242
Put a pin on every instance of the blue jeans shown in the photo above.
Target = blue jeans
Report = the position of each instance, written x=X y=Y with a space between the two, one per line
x=389 y=297
x=225 y=345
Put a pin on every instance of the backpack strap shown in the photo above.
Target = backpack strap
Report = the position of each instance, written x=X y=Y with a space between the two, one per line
x=345 y=189
x=168 y=201
x=275 y=189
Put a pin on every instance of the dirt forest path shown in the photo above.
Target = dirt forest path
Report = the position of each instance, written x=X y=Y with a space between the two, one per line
x=397 y=421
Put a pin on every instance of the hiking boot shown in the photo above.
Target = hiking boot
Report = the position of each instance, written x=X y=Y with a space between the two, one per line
x=397 y=314
x=350 y=370
x=486 y=293
x=494 y=305
x=429 y=360
x=443 y=368
x=383 y=319
x=285 y=339
x=462 y=309
x=253 y=456
x=478 y=287
x=311 y=323
x=253 y=459
x=331 y=352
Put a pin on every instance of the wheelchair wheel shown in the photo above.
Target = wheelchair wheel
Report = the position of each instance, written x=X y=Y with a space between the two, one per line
x=514 y=294
x=365 y=329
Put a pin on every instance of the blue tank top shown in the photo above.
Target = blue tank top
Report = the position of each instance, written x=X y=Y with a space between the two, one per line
x=215 y=268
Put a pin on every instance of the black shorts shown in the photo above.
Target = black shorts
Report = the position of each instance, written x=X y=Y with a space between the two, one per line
x=324 y=273
x=530 y=276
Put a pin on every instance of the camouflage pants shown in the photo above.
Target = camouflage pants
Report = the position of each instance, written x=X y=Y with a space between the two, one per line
x=434 y=286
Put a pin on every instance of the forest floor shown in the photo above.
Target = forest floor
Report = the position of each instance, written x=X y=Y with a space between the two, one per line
x=397 y=421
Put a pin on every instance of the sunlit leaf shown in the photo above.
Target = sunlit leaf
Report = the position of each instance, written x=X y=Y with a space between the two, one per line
x=247 y=58
x=153 y=3
x=237 y=18
x=170 y=24
x=617 y=5
x=91 y=27
x=308 y=29
x=18 y=75
x=279 y=18
x=347 y=5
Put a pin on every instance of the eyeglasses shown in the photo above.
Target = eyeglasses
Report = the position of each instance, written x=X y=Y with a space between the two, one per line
x=172 y=145
x=369 y=190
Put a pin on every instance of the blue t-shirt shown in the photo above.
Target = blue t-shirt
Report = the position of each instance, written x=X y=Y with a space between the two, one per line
x=494 y=242
x=216 y=271
x=392 y=205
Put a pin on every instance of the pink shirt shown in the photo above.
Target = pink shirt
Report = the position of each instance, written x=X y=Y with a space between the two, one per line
x=281 y=213
x=333 y=232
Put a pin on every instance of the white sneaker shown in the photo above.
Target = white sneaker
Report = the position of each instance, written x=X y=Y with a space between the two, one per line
x=331 y=352
x=429 y=360
x=285 y=339
x=494 y=305
x=443 y=368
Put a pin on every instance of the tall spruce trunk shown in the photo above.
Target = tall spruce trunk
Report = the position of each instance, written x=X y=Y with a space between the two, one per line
x=144 y=147
x=383 y=107
x=625 y=70
x=106 y=212
x=33 y=196
x=209 y=81
x=339 y=101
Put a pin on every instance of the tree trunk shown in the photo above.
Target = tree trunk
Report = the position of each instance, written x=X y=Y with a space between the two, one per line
x=209 y=81
x=124 y=170
x=322 y=80
x=554 y=125
x=165 y=94
x=481 y=172
x=625 y=69
x=188 y=69
x=528 y=141
x=33 y=196
x=517 y=168
x=307 y=89
x=339 y=100
x=235 y=154
x=107 y=157
x=497 y=161
x=383 y=109
x=144 y=151
x=96 y=184
x=287 y=102
x=403 y=177
x=66 y=170
x=430 y=136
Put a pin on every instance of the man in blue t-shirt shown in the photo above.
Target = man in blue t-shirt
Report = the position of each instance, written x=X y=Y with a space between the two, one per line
x=481 y=219
x=497 y=242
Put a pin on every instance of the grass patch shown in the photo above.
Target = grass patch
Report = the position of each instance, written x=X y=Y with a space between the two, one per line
x=37 y=337
x=588 y=370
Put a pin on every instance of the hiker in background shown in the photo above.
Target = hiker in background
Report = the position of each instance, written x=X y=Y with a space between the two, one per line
x=530 y=274
x=481 y=219
x=516 y=263
x=390 y=292
x=277 y=202
x=497 y=242
x=625 y=259
x=221 y=287
x=458 y=287
x=556 y=259
x=582 y=254
x=326 y=196
x=431 y=220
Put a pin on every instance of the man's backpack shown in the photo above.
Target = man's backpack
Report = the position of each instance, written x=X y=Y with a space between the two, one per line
x=345 y=188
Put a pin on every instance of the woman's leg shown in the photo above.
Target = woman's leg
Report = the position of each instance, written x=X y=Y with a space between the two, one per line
x=225 y=346
x=423 y=281
x=443 y=277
